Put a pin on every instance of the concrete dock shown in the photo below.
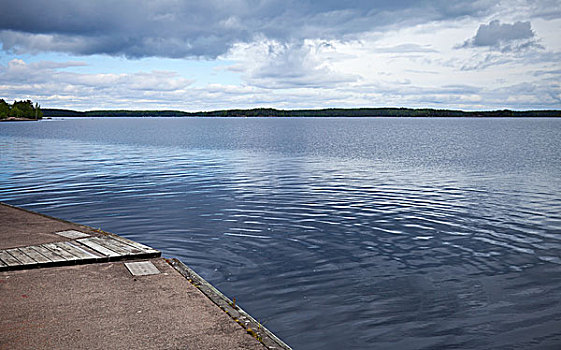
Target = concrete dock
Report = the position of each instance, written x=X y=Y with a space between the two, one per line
x=69 y=286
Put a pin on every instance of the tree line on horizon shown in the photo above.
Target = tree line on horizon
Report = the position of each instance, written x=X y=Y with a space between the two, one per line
x=330 y=112
x=20 y=109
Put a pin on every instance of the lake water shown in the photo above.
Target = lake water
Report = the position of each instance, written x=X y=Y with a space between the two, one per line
x=380 y=233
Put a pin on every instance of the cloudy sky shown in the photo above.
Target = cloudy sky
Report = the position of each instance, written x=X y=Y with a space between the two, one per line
x=217 y=54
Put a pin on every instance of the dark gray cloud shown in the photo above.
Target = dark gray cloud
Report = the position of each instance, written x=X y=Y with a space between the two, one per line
x=496 y=33
x=504 y=36
x=168 y=28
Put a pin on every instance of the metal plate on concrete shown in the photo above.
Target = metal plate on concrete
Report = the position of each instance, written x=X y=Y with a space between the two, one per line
x=72 y=234
x=142 y=268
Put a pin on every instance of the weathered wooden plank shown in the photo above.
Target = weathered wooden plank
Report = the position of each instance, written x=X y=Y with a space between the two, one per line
x=58 y=250
x=107 y=243
x=130 y=249
x=9 y=259
x=80 y=253
x=48 y=253
x=88 y=250
x=21 y=256
x=137 y=245
x=72 y=234
x=85 y=249
x=33 y=254
x=90 y=242
x=2 y=264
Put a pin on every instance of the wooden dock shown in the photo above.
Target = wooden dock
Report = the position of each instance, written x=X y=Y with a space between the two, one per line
x=83 y=250
x=69 y=286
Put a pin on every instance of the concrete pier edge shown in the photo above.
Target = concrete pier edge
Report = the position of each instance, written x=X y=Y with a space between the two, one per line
x=250 y=324
x=241 y=317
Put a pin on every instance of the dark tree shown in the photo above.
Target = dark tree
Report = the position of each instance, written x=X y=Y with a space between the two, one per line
x=4 y=109
x=20 y=109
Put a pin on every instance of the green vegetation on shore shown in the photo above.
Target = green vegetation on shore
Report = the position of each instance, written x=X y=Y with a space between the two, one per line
x=331 y=112
x=20 y=110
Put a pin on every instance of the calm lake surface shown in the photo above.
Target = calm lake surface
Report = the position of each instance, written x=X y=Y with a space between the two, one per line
x=378 y=233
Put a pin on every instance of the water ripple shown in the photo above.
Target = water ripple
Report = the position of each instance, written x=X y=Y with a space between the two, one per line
x=335 y=244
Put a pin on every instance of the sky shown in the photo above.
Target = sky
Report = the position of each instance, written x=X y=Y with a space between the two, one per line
x=288 y=54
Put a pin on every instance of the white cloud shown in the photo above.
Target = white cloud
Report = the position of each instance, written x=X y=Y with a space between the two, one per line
x=415 y=66
x=270 y=64
x=47 y=82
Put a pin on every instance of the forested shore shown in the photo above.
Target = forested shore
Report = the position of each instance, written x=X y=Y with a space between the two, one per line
x=20 y=110
x=331 y=112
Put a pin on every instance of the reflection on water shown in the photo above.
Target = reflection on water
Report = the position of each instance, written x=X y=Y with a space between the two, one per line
x=334 y=233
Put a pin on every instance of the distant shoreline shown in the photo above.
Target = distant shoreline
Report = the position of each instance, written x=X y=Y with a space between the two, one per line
x=14 y=119
x=332 y=112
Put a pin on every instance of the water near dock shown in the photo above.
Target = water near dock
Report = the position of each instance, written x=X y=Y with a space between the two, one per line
x=65 y=286
x=334 y=233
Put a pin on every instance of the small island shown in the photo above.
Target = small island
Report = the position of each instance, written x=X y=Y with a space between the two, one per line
x=20 y=110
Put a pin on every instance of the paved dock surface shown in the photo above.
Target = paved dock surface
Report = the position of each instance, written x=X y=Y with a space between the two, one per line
x=115 y=294
x=20 y=228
